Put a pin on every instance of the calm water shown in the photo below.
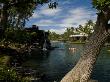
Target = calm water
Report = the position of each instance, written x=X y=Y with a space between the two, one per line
x=58 y=62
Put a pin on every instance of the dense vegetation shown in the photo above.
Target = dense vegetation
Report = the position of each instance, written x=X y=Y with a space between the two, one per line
x=88 y=29
x=13 y=16
x=84 y=68
x=10 y=75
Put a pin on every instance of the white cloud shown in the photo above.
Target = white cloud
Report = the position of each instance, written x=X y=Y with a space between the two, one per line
x=79 y=16
x=66 y=25
x=69 y=18
x=35 y=15
x=50 y=12
x=44 y=23
x=73 y=19
x=51 y=23
x=58 y=31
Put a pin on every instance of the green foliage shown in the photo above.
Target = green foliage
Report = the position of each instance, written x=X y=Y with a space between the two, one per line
x=19 y=36
x=54 y=36
x=10 y=75
x=68 y=32
x=101 y=4
x=88 y=28
x=18 y=11
x=34 y=34
x=24 y=37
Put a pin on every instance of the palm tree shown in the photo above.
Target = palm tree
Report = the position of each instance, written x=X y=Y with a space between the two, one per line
x=83 y=69
x=88 y=28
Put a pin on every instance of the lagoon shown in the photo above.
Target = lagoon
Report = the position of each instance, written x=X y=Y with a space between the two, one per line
x=56 y=63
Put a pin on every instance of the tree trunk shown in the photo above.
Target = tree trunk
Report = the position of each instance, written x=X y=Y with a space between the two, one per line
x=4 y=19
x=83 y=69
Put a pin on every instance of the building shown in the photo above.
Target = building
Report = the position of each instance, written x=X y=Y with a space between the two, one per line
x=41 y=38
x=80 y=37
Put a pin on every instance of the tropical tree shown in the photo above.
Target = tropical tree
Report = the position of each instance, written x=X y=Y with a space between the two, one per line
x=69 y=31
x=16 y=12
x=53 y=36
x=83 y=69
x=88 y=28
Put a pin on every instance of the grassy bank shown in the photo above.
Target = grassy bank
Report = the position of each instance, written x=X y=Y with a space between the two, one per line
x=8 y=73
x=77 y=42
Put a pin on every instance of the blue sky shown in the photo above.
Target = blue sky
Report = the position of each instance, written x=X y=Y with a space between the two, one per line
x=69 y=13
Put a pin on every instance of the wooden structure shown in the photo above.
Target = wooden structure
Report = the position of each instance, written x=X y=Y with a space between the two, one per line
x=80 y=37
x=41 y=38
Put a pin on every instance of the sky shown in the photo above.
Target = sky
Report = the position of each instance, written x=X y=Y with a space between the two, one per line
x=69 y=13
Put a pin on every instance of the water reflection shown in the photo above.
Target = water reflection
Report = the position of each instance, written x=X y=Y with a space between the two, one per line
x=102 y=67
x=57 y=63
x=61 y=60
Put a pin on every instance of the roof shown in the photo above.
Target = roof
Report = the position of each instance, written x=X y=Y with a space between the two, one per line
x=78 y=35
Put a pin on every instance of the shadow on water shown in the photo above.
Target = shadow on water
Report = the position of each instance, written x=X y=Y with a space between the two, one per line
x=55 y=64
x=52 y=66
x=101 y=70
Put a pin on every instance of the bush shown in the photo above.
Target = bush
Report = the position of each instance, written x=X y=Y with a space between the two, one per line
x=10 y=75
